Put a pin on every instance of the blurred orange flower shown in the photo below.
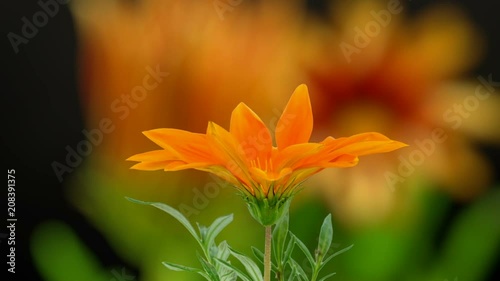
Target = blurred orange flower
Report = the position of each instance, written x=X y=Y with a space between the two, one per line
x=207 y=59
x=371 y=68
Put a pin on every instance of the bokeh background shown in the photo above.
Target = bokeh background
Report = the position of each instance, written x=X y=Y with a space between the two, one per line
x=79 y=92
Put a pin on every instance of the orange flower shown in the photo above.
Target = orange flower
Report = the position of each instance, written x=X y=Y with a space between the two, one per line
x=246 y=157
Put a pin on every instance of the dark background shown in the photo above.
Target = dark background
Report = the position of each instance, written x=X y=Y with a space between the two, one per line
x=41 y=115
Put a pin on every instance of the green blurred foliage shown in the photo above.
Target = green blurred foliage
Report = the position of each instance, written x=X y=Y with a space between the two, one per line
x=390 y=251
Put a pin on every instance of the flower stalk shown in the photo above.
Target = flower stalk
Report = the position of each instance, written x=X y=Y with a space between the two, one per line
x=267 y=254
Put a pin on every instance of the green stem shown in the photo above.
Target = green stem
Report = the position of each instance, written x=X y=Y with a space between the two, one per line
x=315 y=272
x=267 y=254
x=281 y=273
x=314 y=276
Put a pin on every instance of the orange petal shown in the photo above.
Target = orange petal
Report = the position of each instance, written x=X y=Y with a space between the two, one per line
x=361 y=144
x=295 y=155
x=181 y=165
x=152 y=160
x=344 y=152
x=370 y=136
x=222 y=173
x=343 y=161
x=150 y=166
x=296 y=123
x=187 y=146
x=251 y=133
x=225 y=151
x=295 y=179
x=262 y=176
x=163 y=160
x=152 y=156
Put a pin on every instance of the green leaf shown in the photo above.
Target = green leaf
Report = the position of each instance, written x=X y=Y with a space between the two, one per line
x=171 y=211
x=203 y=233
x=251 y=267
x=334 y=255
x=304 y=249
x=60 y=255
x=210 y=269
x=471 y=247
x=293 y=274
x=226 y=274
x=223 y=251
x=217 y=226
x=258 y=254
x=327 y=276
x=325 y=237
x=288 y=251
x=238 y=272
x=178 y=267
x=279 y=238
x=300 y=272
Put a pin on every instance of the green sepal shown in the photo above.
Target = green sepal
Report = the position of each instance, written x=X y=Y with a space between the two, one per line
x=268 y=211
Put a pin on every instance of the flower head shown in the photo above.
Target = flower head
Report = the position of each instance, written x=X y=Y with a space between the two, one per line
x=268 y=175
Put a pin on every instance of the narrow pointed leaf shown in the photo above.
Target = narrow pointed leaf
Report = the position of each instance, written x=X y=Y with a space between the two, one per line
x=279 y=238
x=258 y=254
x=334 y=255
x=203 y=233
x=300 y=272
x=171 y=211
x=304 y=249
x=327 y=276
x=325 y=236
x=223 y=251
x=217 y=226
x=293 y=274
x=288 y=251
x=178 y=267
x=229 y=275
x=250 y=266
x=238 y=272
x=209 y=269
